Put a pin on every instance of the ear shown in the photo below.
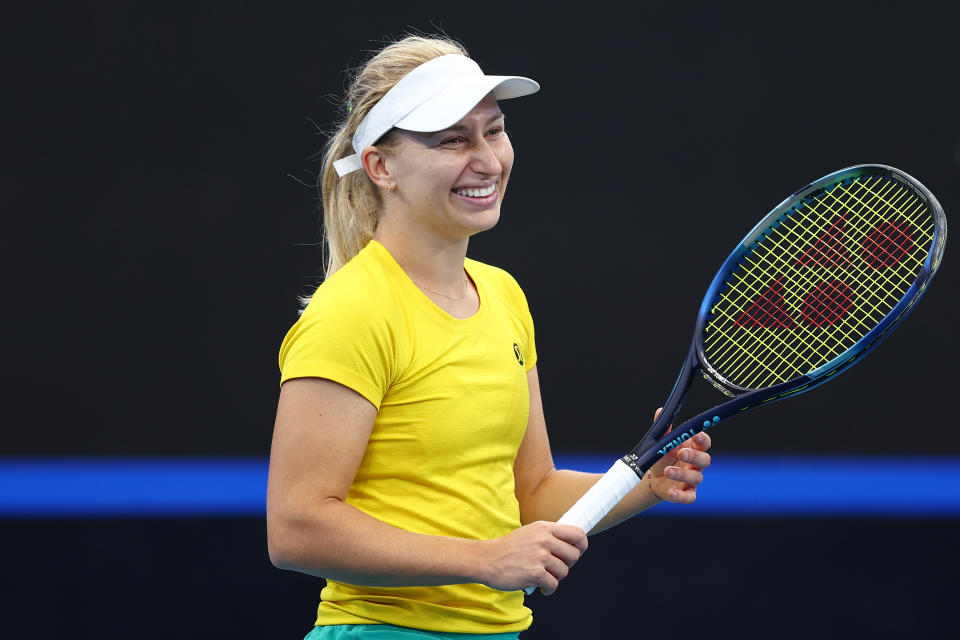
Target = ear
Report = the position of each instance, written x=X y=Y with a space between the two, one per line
x=374 y=163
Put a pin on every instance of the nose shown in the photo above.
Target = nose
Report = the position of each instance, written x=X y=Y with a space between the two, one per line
x=485 y=160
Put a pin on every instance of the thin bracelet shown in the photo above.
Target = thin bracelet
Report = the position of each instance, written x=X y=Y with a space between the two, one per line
x=650 y=485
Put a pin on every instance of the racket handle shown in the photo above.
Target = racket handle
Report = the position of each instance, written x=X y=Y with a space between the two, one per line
x=602 y=497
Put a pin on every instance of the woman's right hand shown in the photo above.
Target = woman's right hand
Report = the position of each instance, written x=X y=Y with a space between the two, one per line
x=539 y=554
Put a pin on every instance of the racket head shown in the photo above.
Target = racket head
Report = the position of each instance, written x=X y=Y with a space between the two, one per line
x=819 y=281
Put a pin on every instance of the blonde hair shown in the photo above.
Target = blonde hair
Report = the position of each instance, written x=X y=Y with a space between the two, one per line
x=352 y=204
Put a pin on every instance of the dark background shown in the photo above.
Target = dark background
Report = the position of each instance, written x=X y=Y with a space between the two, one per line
x=160 y=225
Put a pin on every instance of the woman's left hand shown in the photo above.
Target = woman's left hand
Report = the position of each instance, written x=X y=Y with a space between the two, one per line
x=676 y=476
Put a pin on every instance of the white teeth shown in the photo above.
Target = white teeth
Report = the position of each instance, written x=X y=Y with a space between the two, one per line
x=476 y=193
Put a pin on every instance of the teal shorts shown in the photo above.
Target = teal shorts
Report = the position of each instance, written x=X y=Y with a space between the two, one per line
x=390 y=632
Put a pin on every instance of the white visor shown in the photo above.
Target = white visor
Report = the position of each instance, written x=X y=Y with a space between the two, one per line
x=432 y=97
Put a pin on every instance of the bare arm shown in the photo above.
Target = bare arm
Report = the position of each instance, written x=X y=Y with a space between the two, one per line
x=319 y=439
x=546 y=493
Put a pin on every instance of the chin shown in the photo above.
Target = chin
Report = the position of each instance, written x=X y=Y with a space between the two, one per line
x=483 y=221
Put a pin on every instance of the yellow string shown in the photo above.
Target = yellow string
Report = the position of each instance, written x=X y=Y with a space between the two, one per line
x=756 y=357
x=821 y=276
x=805 y=283
x=818 y=231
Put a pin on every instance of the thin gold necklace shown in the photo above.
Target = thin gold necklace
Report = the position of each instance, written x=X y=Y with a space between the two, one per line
x=451 y=298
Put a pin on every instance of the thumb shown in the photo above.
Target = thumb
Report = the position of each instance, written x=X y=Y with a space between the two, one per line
x=656 y=414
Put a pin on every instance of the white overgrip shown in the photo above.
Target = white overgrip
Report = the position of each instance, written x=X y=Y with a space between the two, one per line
x=602 y=497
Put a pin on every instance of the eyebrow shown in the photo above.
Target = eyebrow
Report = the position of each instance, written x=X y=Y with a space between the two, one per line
x=460 y=128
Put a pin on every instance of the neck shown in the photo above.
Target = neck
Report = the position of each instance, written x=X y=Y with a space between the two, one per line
x=428 y=260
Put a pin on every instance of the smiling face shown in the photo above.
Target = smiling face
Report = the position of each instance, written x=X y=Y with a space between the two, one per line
x=450 y=183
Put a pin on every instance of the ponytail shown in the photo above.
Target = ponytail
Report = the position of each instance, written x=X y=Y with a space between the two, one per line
x=352 y=204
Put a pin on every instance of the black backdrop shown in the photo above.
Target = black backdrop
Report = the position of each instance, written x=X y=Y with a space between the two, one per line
x=159 y=228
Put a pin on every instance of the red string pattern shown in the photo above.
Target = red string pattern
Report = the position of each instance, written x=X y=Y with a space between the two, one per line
x=817 y=281
x=827 y=303
x=887 y=244
x=829 y=250
x=767 y=311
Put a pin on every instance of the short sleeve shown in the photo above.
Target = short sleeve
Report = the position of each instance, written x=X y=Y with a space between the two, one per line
x=518 y=300
x=342 y=339
x=530 y=358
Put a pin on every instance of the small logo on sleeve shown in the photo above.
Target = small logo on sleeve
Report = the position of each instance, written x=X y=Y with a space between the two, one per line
x=518 y=353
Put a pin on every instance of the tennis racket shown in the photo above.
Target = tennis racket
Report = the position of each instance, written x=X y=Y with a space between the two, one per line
x=817 y=284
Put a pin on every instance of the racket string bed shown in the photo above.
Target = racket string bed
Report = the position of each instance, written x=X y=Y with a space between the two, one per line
x=804 y=294
x=807 y=282
x=753 y=291
x=867 y=311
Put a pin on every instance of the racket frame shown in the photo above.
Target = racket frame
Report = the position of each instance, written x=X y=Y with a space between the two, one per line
x=658 y=441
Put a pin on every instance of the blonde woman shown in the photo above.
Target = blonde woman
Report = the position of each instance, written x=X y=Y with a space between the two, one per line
x=410 y=464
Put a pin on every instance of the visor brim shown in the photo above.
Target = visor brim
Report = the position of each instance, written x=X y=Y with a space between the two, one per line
x=450 y=105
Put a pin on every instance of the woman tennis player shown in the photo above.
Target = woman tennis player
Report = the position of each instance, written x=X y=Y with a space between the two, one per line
x=410 y=464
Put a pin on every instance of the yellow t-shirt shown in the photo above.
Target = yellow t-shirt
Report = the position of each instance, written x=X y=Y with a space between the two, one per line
x=453 y=404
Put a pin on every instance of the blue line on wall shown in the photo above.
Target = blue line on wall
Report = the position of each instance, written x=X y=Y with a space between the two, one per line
x=735 y=486
x=816 y=486
x=133 y=487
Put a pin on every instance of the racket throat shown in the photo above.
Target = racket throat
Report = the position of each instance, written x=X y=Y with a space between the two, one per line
x=713 y=378
x=642 y=463
x=717 y=385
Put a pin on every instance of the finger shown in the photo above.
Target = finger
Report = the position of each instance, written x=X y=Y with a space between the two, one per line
x=669 y=459
x=691 y=477
x=572 y=535
x=656 y=414
x=557 y=568
x=682 y=496
x=693 y=457
x=566 y=553
x=701 y=441
x=547 y=583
